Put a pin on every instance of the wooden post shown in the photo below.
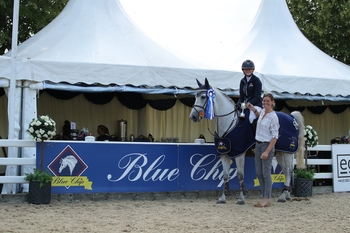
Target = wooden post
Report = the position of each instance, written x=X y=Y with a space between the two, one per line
x=42 y=155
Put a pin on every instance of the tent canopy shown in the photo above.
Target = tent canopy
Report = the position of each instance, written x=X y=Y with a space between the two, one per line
x=96 y=42
x=285 y=59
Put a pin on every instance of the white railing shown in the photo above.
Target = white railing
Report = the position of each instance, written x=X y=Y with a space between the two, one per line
x=317 y=162
x=16 y=161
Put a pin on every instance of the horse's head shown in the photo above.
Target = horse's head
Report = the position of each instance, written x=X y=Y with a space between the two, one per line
x=69 y=161
x=63 y=163
x=212 y=103
x=201 y=101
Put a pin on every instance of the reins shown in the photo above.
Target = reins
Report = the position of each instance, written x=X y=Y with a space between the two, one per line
x=228 y=128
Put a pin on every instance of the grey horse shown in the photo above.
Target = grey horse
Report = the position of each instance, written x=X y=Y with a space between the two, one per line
x=224 y=113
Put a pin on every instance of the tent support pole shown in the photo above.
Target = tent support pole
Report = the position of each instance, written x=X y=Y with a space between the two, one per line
x=12 y=151
x=12 y=88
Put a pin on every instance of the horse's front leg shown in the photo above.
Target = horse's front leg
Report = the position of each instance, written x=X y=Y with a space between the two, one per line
x=226 y=164
x=240 y=174
x=285 y=160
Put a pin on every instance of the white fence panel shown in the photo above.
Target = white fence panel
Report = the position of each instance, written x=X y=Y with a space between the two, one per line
x=16 y=161
x=318 y=162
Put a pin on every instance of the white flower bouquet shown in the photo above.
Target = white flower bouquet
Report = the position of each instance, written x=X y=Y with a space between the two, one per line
x=311 y=138
x=42 y=128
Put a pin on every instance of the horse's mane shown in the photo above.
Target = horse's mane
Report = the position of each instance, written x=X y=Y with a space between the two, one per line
x=223 y=94
x=72 y=160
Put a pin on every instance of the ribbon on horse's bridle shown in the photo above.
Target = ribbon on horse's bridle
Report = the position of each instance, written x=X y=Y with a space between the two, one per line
x=217 y=116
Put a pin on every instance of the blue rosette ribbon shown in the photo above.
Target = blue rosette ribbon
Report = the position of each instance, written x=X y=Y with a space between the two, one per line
x=209 y=111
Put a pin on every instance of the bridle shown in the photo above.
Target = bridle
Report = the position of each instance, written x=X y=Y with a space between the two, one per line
x=198 y=94
x=203 y=107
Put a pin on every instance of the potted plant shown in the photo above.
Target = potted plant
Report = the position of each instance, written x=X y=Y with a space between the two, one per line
x=304 y=177
x=40 y=129
x=43 y=177
x=303 y=181
x=304 y=173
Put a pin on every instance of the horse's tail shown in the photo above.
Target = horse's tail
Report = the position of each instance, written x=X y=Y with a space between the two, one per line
x=299 y=156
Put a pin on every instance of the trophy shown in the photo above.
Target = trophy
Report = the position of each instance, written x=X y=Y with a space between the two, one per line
x=242 y=115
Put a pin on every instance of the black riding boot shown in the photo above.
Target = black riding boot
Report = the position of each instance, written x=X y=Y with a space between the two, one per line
x=254 y=123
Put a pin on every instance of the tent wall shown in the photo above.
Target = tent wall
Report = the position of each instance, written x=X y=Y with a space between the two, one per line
x=328 y=124
x=171 y=123
x=174 y=122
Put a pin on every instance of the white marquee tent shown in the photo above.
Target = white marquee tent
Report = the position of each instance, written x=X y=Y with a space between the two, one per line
x=285 y=59
x=96 y=42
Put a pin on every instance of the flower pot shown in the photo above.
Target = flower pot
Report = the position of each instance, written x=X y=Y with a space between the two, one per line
x=37 y=195
x=303 y=187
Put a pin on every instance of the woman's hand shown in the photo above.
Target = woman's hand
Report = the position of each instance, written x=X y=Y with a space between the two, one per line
x=264 y=155
x=250 y=106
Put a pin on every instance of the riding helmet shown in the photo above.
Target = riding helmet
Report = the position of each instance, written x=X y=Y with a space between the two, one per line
x=248 y=64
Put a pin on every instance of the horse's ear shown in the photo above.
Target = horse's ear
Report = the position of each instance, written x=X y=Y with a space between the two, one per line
x=207 y=86
x=199 y=83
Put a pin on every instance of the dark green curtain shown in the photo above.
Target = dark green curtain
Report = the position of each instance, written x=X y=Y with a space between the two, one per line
x=130 y=100
x=99 y=97
x=136 y=101
x=62 y=95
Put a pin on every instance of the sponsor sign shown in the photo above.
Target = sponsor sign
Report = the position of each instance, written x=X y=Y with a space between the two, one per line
x=102 y=167
x=341 y=167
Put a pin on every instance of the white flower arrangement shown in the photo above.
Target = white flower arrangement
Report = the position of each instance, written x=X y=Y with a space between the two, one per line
x=311 y=138
x=42 y=128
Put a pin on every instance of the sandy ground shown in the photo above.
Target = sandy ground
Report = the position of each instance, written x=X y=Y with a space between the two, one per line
x=319 y=213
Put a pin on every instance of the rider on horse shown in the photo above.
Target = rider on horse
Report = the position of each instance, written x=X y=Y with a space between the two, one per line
x=250 y=89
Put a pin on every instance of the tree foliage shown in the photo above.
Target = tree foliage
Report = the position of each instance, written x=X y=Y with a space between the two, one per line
x=33 y=16
x=326 y=23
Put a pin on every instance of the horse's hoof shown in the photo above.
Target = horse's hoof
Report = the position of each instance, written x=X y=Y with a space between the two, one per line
x=240 y=202
x=281 y=200
x=286 y=195
x=221 y=202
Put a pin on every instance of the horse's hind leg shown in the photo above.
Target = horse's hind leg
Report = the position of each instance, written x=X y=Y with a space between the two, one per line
x=285 y=160
x=240 y=173
x=226 y=164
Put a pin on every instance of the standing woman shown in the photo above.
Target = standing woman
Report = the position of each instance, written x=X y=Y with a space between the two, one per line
x=266 y=137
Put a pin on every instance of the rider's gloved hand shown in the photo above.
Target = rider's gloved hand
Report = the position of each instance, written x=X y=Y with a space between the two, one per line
x=238 y=106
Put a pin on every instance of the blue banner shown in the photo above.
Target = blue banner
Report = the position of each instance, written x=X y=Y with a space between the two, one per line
x=102 y=167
